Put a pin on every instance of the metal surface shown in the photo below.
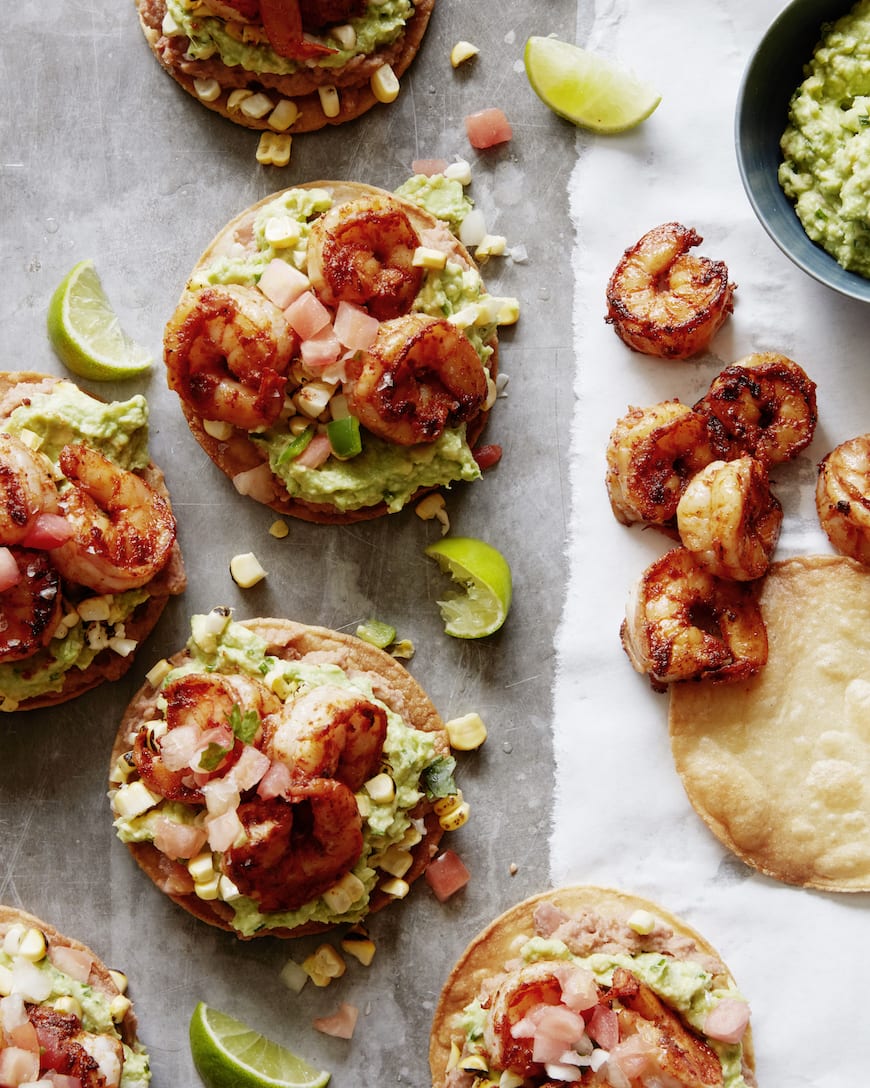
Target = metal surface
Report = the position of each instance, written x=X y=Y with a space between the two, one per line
x=103 y=156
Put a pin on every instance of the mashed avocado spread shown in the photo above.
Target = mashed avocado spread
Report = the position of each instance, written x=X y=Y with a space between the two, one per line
x=826 y=146
x=119 y=430
x=406 y=754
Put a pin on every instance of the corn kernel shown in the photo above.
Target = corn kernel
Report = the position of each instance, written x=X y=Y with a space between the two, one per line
x=491 y=245
x=227 y=890
x=396 y=861
x=293 y=977
x=345 y=35
x=427 y=257
x=357 y=943
x=342 y=895
x=459 y=171
x=363 y=805
x=462 y=52
x=208 y=90
x=273 y=148
x=279 y=529
x=13 y=937
x=412 y=836
x=201 y=868
x=403 y=649
x=246 y=570
x=642 y=922
x=510 y=1080
x=33 y=946
x=283 y=115
x=454 y=1057
x=312 y=398
x=443 y=805
x=68 y=1004
x=384 y=84
x=466 y=317
x=466 y=733
x=119 y=979
x=133 y=799
x=169 y=27
x=93 y=609
x=158 y=672
x=457 y=818
x=297 y=424
x=237 y=97
x=330 y=103
x=123 y=647
x=433 y=506
x=119 y=1006
x=282 y=231
x=207 y=889
x=218 y=428
x=508 y=311
x=323 y=965
x=256 y=106
x=473 y=1063
x=381 y=788
x=397 y=888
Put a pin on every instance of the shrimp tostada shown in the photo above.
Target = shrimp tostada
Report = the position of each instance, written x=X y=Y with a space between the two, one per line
x=277 y=779
x=286 y=65
x=335 y=352
x=586 y=985
x=65 y=1016
x=88 y=550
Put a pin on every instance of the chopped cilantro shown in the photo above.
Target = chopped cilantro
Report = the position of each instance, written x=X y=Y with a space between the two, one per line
x=245 y=725
x=211 y=758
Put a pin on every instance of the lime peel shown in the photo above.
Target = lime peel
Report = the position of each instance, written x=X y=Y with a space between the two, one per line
x=586 y=88
x=229 y=1054
x=85 y=332
x=484 y=577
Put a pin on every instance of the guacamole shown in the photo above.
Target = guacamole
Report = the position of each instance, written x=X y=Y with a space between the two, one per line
x=826 y=146
x=119 y=430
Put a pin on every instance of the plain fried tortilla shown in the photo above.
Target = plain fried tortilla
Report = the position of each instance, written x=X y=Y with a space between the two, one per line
x=487 y=954
x=238 y=453
x=778 y=767
x=291 y=641
x=352 y=81
x=15 y=388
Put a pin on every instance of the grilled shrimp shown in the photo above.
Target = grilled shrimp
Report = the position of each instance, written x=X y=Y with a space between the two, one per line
x=330 y=732
x=227 y=350
x=843 y=497
x=27 y=489
x=419 y=376
x=297 y=845
x=29 y=610
x=362 y=252
x=200 y=710
x=729 y=519
x=123 y=530
x=663 y=301
x=763 y=405
x=93 y=1061
x=684 y=623
x=651 y=455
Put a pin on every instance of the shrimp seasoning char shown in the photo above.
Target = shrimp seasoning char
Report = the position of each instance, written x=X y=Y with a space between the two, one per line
x=278 y=779
x=590 y=985
x=335 y=352
x=88 y=550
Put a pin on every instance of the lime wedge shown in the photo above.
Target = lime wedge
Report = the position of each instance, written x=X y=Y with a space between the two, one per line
x=485 y=577
x=228 y=1054
x=586 y=88
x=84 y=330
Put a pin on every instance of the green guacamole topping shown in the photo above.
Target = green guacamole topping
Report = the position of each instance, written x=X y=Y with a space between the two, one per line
x=440 y=196
x=407 y=752
x=119 y=430
x=826 y=146
x=96 y=1016
x=379 y=26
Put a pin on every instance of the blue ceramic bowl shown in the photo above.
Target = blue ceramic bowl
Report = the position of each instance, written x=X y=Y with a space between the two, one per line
x=772 y=76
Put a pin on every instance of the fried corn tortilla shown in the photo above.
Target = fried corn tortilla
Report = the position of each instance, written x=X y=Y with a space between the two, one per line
x=251 y=65
x=303 y=650
x=16 y=388
x=99 y=986
x=238 y=255
x=778 y=766
x=589 y=921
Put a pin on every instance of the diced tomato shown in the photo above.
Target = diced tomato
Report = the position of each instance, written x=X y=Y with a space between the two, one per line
x=24 y=1036
x=74 y=962
x=307 y=315
x=603 y=1027
x=257 y=482
x=48 y=531
x=315 y=453
x=341 y=1024
x=354 y=327
x=274 y=782
x=251 y=767
x=487 y=456
x=10 y=575
x=282 y=283
x=321 y=350
x=18 y=1066
x=428 y=167
x=223 y=830
x=486 y=128
x=178 y=840
x=446 y=875
x=63 y=1080
x=728 y=1020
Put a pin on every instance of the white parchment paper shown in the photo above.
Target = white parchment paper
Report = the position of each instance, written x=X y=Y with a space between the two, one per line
x=621 y=815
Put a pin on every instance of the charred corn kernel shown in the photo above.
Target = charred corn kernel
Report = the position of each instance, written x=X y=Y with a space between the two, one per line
x=273 y=148
x=345 y=35
x=466 y=733
x=473 y=1063
x=121 y=771
x=68 y=1004
x=491 y=245
x=384 y=84
x=256 y=106
x=404 y=649
x=508 y=311
x=246 y=570
x=323 y=965
x=207 y=889
x=237 y=97
x=427 y=257
x=227 y=890
x=133 y=799
x=462 y=52
x=455 y=819
x=33 y=946
x=447 y=804
x=453 y=1059
x=201 y=868
x=312 y=398
x=119 y=979
x=282 y=231
x=459 y=171
x=381 y=789
x=397 y=888
x=279 y=529
x=642 y=922
x=293 y=977
x=208 y=90
x=283 y=115
x=119 y=1006
x=396 y=861
x=170 y=27
x=93 y=609
x=330 y=103
x=217 y=428
x=341 y=896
